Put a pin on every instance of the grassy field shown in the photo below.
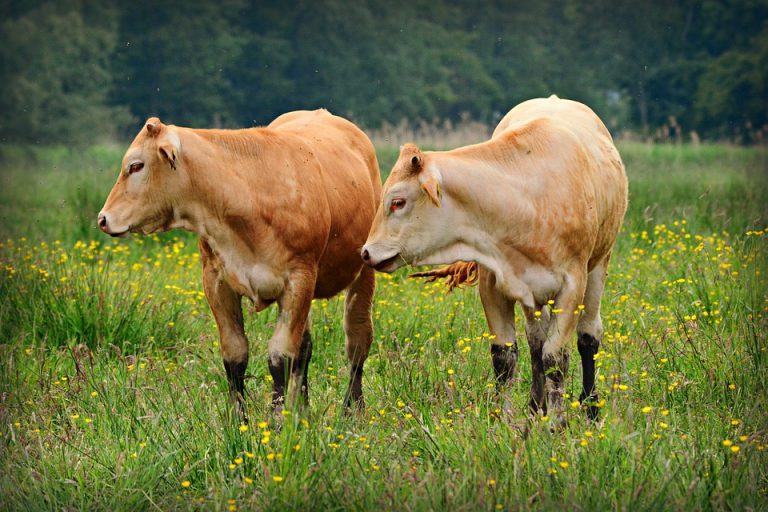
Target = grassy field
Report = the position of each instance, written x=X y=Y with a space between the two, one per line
x=113 y=396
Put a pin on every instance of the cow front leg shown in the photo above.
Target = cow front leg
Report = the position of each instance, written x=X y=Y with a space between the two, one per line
x=555 y=352
x=290 y=347
x=358 y=330
x=226 y=307
x=500 y=315
x=555 y=370
x=536 y=327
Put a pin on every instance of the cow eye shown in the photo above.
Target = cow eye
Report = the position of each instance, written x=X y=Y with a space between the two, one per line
x=397 y=204
x=135 y=167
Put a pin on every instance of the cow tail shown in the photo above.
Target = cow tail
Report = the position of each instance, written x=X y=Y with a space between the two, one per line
x=461 y=273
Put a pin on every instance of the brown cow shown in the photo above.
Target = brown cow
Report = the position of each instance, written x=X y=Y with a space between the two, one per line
x=281 y=212
x=537 y=208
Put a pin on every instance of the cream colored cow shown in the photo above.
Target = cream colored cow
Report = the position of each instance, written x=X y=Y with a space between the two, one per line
x=281 y=212
x=537 y=208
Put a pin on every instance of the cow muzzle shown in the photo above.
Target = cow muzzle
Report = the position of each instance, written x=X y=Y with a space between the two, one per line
x=104 y=225
x=382 y=264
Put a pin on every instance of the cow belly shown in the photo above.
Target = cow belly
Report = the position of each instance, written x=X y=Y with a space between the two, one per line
x=340 y=264
x=543 y=283
x=334 y=277
x=257 y=282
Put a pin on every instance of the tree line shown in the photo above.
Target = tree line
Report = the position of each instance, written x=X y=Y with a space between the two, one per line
x=76 y=71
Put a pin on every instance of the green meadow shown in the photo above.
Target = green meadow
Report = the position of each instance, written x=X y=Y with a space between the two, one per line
x=113 y=395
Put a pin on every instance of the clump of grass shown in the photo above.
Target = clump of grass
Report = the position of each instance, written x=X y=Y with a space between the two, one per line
x=713 y=187
x=95 y=294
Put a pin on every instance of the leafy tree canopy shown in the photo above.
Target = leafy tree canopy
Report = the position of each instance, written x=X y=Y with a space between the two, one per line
x=77 y=70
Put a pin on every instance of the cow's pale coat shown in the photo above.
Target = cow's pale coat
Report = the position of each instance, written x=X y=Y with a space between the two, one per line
x=537 y=208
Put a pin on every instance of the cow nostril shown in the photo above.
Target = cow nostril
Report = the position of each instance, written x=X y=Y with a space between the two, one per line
x=102 y=221
x=366 y=256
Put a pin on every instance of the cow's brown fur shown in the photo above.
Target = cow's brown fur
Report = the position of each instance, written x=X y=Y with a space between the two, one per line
x=281 y=212
x=536 y=211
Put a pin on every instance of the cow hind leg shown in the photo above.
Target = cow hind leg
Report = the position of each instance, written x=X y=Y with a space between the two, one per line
x=227 y=310
x=500 y=315
x=589 y=335
x=305 y=355
x=358 y=330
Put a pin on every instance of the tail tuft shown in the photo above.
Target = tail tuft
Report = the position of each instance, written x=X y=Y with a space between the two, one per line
x=459 y=274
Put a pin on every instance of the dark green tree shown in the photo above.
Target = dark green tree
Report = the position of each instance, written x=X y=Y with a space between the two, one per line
x=56 y=77
x=732 y=96
x=174 y=62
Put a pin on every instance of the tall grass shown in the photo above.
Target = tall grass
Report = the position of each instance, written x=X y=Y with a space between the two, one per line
x=112 y=393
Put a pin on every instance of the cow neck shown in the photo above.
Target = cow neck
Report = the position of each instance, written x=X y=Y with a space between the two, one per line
x=214 y=184
x=485 y=190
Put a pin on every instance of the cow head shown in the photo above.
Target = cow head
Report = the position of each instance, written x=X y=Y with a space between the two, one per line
x=149 y=180
x=413 y=222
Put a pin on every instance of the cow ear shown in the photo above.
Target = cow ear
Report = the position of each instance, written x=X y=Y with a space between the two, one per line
x=168 y=151
x=432 y=188
x=417 y=163
x=169 y=147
